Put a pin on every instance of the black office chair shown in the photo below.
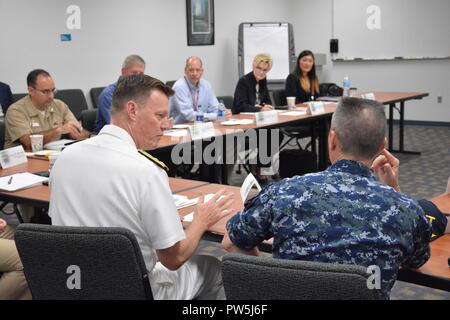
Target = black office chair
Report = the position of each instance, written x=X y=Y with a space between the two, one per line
x=170 y=83
x=279 y=98
x=95 y=93
x=88 y=118
x=75 y=99
x=106 y=263
x=18 y=96
x=227 y=101
x=295 y=132
x=265 y=278
x=2 y=134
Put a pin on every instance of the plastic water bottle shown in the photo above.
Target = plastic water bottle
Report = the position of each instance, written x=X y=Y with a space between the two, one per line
x=346 y=86
x=221 y=111
x=199 y=116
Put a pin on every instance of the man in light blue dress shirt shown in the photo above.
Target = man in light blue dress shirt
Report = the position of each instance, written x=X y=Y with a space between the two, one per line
x=193 y=94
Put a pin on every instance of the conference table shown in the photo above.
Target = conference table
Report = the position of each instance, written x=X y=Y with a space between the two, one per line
x=387 y=98
x=224 y=132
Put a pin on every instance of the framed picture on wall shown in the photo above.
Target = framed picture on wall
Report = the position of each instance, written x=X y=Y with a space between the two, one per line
x=200 y=22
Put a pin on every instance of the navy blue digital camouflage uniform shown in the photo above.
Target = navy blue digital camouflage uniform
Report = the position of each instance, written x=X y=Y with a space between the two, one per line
x=340 y=215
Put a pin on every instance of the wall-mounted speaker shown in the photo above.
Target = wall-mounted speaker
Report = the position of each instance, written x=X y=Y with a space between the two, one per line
x=334 y=45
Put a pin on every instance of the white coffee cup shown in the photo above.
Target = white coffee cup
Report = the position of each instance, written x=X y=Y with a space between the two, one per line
x=52 y=159
x=291 y=102
x=37 y=142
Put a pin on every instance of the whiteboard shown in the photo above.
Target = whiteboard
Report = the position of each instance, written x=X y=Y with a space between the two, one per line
x=275 y=39
x=408 y=29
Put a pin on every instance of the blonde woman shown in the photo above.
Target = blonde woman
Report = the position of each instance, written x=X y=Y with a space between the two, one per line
x=252 y=94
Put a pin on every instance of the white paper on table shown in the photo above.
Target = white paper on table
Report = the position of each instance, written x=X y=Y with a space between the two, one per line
x=176 y=133
x=57 y=144
x=20 y=181
x=183 y=201
x=295 y=113
x=235 y=122
x=189 y=217
x=247 y=185
x=181 y=126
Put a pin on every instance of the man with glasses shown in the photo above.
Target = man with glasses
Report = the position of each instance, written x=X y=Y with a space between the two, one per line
x=40 y=113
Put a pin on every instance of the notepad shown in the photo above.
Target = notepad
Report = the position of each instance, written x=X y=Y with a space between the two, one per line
x=20 y=181
x=58 y=144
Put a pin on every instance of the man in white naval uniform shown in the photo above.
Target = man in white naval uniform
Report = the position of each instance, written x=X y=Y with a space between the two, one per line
x=106 y=181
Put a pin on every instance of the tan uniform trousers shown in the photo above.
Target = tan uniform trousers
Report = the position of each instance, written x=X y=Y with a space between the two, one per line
x=13 y=284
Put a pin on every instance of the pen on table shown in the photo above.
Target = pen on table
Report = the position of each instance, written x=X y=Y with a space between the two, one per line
x=10 y=180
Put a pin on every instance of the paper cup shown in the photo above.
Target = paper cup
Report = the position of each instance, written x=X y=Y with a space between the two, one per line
x=291 y=102
x=37 y=141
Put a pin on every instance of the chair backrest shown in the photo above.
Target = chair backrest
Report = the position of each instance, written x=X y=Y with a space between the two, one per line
x=253 y=278
x=227 y=101
x=279 y=97
x=88 y=118
x=106 y=263
x=18 y=96
x=75 y=99
x=330 y=89
x=2 y=134
x=170 y=83
x=95 y=93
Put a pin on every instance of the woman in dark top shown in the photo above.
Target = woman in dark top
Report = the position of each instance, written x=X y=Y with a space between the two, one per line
x=303 y=82
x=251 y=94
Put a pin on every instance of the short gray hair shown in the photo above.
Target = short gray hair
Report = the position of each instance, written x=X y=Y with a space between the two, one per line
x=360 y=125
x=137 y=87
x=132 y=60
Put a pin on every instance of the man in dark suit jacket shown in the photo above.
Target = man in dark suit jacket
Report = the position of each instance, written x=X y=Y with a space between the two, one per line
x=6 y=98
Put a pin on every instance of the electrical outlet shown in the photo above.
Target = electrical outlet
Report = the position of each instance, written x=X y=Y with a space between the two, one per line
x=439 y=99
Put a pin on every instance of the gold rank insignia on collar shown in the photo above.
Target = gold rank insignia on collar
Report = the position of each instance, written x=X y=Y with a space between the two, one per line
x=154 y=160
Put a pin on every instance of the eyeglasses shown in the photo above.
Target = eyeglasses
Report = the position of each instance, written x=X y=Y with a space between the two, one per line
x=47 y=92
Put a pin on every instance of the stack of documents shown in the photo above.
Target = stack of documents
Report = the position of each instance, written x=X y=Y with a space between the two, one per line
x=20 y=181
x=58 y=144
x=183 y=201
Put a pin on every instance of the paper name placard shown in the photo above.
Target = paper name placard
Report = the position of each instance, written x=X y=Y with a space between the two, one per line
x=315 y=107
x=265 y=117
x=368 y=96
x=247 y=185
x=202 y=130
x=12 y=157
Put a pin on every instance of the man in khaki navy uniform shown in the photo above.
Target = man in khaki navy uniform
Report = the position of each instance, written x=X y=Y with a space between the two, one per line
x=40 y=113
x=117 y=186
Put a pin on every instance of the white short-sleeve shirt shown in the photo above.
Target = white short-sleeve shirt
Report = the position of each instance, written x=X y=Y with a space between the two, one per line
x=105 y=182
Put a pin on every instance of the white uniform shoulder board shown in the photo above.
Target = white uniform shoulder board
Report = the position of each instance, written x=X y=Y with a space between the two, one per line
x=154 y=160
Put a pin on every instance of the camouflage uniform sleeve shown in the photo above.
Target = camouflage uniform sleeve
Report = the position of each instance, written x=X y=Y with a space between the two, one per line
x=249 y=228
x=421 y=245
